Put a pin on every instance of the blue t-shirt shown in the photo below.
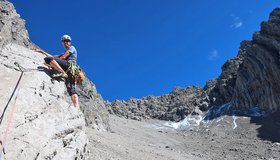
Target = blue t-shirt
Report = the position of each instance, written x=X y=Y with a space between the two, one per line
x=73 y=55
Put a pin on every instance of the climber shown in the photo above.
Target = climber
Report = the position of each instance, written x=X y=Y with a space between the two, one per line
x=61 y=64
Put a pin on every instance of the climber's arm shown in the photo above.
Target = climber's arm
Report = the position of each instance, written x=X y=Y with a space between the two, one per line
x=43 y=52
x=65 y=55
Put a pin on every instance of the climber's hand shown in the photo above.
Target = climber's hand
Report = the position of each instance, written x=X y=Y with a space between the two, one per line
x=41 y=51
x=37 y=50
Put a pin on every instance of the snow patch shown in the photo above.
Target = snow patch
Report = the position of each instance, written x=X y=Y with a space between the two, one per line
x=189 y=121
x=234 y=121
x=216 y=114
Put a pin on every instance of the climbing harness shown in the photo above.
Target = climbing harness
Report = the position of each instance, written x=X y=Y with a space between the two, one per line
x=72 y=68
x=75 y=71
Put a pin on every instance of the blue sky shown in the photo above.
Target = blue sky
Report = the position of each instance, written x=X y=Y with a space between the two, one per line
x=135 y=48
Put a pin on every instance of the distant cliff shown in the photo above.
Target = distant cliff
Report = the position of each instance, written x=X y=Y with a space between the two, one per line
x=251 y=79
x=173 y=106
x=257 y=83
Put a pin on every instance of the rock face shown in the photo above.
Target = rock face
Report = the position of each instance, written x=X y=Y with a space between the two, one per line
x=44 y=124
x=92 y=104
x=222 y=88
x=173 y=106
x=257 y=83
x=251 y=79
x=12 y=27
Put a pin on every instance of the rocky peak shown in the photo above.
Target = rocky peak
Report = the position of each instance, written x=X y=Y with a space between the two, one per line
x=12 y=27
x=257 y=83
x=251 y=78
x=223 y=89
x=173 y=106
x=93 y=106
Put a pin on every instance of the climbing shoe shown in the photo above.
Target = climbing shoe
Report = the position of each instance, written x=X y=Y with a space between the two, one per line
x=60 y=75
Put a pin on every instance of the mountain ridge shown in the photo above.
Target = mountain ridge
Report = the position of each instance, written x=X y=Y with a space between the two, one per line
x=248 y=80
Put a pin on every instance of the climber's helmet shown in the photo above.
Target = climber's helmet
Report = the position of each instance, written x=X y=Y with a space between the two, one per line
x=66 y=38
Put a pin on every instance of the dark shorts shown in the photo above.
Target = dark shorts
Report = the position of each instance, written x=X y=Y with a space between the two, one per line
x=70 y=85
x=63 y=63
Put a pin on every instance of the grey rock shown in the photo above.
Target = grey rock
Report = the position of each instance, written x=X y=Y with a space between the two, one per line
x=44 y=123
x=173 y=106
x=251 y=79
x=92 y=105
x=223 y=90
x=257 y=83
x=12 y=27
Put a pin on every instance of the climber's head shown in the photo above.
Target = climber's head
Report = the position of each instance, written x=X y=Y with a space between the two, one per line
x=66 y=38
x=66 y=41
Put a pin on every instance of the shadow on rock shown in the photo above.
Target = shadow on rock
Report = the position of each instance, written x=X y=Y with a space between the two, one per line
x=227 y=109
x=49 y=72
x=269 y=123
x=269 y=127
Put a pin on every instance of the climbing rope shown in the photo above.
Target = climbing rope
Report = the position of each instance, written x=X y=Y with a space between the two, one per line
x=9 y=121
x=22 y=70
x=3 y=113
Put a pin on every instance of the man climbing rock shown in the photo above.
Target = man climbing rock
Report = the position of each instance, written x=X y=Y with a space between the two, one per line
x=64 y=65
